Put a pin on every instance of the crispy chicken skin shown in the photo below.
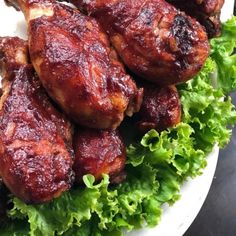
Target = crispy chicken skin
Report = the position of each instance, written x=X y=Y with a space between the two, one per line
x=99 y=152
x=35 y=139
x=77 y=66
x=207 y=12
x=154 y=39
x=161 y=108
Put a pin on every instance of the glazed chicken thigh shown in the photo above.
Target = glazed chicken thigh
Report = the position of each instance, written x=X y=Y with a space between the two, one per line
x=154 y=39
x=35 y=139
x=207 y=12
x=77 y=66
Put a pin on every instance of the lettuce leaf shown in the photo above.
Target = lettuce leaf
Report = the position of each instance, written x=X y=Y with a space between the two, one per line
x=157 y=165
x=222 y=49
x=207 y=111
x=109 y=210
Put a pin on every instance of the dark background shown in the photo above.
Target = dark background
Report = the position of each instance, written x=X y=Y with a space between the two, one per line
x=218 y=214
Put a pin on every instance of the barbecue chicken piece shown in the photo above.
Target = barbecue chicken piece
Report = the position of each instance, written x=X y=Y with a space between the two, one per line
x=77 y=66
x=161 y=108
x=35 y=139
x=155 y=41
x=99 y=152
x=207 y=12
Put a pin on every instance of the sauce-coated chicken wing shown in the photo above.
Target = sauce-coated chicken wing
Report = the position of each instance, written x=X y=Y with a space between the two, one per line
x=99 y=152
x=161 y=108
x=77 y=66
x=35 y=139
x=154 y=39
x=207 y=12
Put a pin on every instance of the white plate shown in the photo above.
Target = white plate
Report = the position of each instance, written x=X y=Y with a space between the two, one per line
x=176 y=219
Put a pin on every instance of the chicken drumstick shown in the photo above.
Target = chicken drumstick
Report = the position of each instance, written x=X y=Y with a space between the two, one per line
x=99 y=152
x=35 y=139
x=161 y=108
x=154 y=39
x=77 y=66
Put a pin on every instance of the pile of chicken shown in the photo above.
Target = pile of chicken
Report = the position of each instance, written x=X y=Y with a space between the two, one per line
x=66 y=91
